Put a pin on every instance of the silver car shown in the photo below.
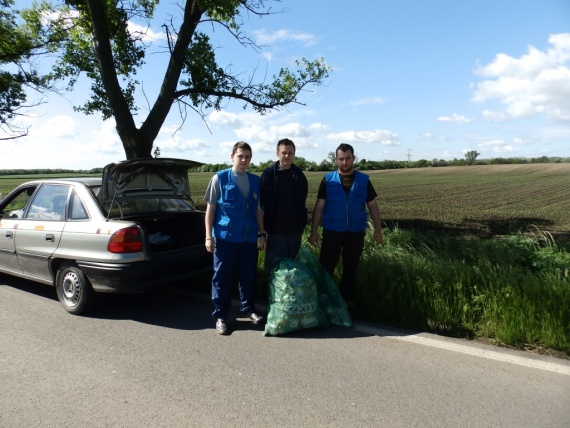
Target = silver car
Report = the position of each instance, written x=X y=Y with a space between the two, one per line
x=132 y=229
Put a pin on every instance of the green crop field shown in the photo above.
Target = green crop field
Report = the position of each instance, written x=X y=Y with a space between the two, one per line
x=484 y=200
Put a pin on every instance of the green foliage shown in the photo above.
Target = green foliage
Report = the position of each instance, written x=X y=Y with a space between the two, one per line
x=221 y=10
x=18 y=44
x=471 y=156
x=78 y=54
x=469 y=287
x=99 y=45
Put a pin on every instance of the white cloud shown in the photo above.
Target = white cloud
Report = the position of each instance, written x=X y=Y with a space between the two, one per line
x=494 y=115
x=504 y=149
x=377 y=136
x=264 y=37
x=105 y=140
x=367 y=101
x=267 y=134
x=225 y=119
x=176 y=144
x=311 y=139
x=455 y=118
x=491 y=143
x=60 y=126
x=146 y=35
x=319 y=127
x=497 y=146
x=434 y=137
x=523 y=141
x=536 y=83
x=249 y=133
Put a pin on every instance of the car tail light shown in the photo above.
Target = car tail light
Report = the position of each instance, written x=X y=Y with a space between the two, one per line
x=125 y=241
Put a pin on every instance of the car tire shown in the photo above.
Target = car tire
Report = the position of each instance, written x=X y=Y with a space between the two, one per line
x=73 y=289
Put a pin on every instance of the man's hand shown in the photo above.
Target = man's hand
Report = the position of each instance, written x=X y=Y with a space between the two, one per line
x=378 y=235
x=262 y=242
x=314 y=239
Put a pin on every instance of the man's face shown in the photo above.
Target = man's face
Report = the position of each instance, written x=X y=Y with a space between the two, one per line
x=241 y=159
x=286 y=155
x=344 y=161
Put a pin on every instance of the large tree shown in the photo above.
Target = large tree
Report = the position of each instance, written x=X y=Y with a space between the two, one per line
x=471 y=156
x=102 y=45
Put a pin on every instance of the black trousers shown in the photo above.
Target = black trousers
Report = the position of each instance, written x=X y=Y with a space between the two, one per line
x=349 y=245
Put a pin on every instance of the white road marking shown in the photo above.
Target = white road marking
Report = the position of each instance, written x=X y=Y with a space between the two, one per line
x=477 y=352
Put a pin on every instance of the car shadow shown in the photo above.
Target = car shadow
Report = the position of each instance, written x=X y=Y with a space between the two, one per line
x=28 y=286
x=187 y=309
x=156 y=307
x=183 y=307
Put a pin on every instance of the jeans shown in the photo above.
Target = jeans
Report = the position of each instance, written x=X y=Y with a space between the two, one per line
x=280 y=246
x=231 y=259
x=350 y=246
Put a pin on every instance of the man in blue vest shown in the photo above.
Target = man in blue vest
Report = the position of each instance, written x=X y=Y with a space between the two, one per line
x=234 y=223
x=283 y=198
x=342 y=199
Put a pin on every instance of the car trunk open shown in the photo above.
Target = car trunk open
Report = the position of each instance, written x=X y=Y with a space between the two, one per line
x=155 y=193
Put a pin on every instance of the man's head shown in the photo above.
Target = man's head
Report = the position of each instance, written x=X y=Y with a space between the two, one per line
x=241 y=156
x=344 y=158
x=285 y=153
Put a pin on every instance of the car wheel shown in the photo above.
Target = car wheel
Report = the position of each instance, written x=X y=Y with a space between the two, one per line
x=73 y=289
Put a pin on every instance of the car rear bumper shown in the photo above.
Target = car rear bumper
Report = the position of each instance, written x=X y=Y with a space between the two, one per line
x=143 y=275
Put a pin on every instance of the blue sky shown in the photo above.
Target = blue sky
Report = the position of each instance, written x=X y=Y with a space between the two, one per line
x=411 y=79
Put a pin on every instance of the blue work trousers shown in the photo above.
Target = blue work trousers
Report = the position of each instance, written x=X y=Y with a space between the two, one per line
x=234 y=260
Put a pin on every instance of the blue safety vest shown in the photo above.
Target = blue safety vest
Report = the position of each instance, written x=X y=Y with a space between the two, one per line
x=235 y=215
x=345 y=213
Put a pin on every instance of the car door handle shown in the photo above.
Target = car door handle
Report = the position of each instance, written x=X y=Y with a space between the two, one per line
x=50 y=237
x=9 y=235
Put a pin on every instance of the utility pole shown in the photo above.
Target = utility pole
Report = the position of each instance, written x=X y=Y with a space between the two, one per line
x=409 y=155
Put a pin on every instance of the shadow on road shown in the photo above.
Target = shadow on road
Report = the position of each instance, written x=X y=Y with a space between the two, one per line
x=184 y=307
x=28 y=286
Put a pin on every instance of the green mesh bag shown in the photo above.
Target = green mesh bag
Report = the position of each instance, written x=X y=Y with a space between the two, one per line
x=293 y=300
x=330 y=300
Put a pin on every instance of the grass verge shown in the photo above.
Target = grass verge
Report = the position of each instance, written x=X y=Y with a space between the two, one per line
x=514 y=290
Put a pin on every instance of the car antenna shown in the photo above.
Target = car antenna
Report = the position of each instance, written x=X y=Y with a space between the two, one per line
x=111 y=204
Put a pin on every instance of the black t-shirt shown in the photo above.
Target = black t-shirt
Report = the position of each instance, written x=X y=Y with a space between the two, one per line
x=346 y=181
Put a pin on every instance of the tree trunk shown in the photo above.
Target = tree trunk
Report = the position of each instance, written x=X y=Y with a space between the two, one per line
x=136 y=146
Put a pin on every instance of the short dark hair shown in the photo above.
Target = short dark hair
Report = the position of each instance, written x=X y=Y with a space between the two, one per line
x=286 y=142
x=241 y=145
x=344 y=148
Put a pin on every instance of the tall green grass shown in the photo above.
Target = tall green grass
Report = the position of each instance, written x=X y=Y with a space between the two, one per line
x=515 y=290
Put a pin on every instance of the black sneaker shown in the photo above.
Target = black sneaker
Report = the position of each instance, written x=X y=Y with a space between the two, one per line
x=221 y=326
x=254 y=317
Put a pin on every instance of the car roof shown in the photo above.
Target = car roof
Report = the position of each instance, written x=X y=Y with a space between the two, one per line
x=89 y=181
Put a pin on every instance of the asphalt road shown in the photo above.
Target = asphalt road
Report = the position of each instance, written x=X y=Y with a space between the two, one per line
x=155 y=360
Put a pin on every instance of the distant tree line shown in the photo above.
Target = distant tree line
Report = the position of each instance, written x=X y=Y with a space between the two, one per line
x=370 y=165
x=34 y=171
x=325 y=165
